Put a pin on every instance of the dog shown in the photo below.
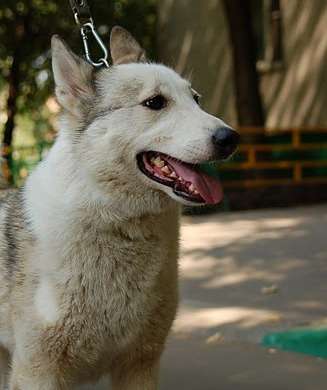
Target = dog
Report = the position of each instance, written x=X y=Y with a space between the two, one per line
x=89 y=245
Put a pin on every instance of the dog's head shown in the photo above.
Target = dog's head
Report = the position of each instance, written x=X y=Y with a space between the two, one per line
x=137 y=127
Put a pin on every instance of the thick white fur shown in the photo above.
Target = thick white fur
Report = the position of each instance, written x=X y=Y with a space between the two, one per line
x=96 y=290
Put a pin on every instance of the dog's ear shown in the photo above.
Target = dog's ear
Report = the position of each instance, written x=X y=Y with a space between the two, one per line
x=73 y=77
x=124 y=48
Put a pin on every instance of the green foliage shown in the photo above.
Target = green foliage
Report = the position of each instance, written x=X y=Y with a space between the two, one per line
x=43 y=18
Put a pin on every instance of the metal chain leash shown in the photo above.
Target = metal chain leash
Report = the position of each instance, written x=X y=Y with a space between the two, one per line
x=84 y=20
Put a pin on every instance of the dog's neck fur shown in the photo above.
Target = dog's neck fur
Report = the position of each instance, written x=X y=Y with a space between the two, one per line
x=58 y=195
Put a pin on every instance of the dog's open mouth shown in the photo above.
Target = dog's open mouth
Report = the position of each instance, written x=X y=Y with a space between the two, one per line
x=186 y=180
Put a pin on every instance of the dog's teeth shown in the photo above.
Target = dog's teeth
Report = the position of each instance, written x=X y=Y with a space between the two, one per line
x=191 y=187
x=173 y=175
x=158 y=162
x=166 y=170
x=196 y=192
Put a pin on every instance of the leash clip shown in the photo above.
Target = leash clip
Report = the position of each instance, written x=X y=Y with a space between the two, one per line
x=83 y=19
x=86 y=29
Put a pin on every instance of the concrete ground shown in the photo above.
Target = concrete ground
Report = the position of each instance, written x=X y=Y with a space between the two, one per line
x=244 y=274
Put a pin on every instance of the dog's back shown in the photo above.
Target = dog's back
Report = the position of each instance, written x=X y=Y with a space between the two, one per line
x=8 y=260
x=13 y=241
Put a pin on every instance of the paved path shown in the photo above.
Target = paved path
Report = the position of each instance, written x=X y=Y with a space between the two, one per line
x=243 y=274
x=231 y=262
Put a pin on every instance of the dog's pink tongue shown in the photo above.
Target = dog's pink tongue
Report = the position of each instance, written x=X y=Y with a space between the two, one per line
x=209 y=187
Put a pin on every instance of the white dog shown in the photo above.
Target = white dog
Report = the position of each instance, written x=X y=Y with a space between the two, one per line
x=89 y=246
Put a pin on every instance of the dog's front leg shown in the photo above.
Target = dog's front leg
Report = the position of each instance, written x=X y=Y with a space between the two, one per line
x=27 y=376
x=137 y=376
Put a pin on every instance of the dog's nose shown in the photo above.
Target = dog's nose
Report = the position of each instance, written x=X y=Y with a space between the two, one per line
x=225 y=140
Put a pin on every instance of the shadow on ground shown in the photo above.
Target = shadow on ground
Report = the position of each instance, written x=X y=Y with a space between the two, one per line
x=231 y=264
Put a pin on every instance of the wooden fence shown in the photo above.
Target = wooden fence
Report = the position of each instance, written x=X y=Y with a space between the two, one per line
x=276 y=158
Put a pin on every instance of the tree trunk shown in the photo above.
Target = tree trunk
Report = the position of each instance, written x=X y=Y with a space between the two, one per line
x=248 y=99
x=21 y=34
x=13 y=81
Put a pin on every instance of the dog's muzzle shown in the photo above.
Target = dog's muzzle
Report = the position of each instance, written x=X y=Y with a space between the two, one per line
x=225 y=140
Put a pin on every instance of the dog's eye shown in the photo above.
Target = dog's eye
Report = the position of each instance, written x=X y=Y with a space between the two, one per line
x=196 y=98
x=155 y=103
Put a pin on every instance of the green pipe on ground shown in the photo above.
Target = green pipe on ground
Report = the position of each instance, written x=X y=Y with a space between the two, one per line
x=309 y=341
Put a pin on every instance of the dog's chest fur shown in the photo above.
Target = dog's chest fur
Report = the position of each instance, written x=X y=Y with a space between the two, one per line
x=108 y=284
x=91 y=290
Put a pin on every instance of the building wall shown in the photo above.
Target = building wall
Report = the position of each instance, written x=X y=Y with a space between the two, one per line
x=193 y=38
x=297 y=95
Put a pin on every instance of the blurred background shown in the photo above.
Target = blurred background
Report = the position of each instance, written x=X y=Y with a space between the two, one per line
x=261 y=66
x=27 y=107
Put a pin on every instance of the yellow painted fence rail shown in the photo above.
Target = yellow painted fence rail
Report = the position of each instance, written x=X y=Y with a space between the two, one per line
x=278 y=157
